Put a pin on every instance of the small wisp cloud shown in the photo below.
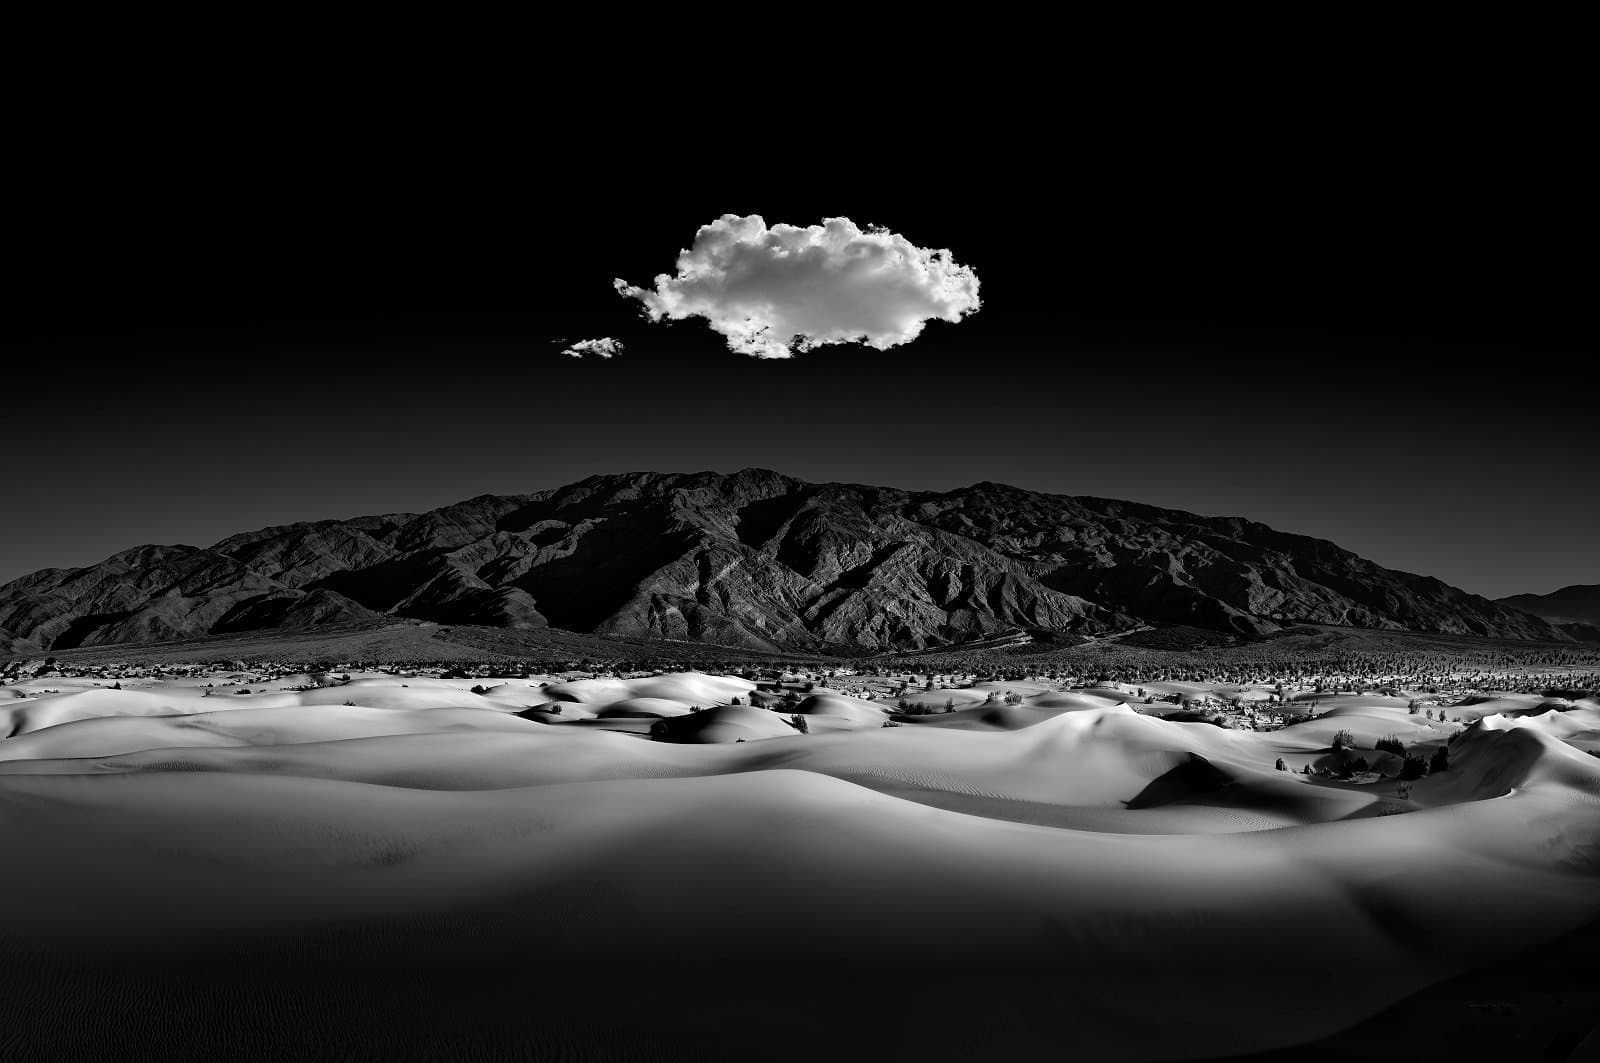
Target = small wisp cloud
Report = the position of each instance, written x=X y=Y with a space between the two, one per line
x=604 y=347
x=773 y=292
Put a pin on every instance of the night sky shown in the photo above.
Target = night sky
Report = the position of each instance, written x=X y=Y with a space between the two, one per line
x=1376 y=335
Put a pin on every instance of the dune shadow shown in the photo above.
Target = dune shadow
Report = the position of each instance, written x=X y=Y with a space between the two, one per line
x=1195 y=777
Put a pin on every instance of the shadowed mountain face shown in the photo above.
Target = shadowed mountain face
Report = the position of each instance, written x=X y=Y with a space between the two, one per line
x=1574 y=605
x=1575 y=610
x=755 y=559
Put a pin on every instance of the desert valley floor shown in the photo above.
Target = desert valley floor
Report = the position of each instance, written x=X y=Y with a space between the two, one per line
x=389 y=864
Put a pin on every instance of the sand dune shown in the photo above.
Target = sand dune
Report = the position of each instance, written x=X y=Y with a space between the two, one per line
x=1368 y=723
x=725 y=723
x=644 y=708
x=1061 y=699
x=22 y=716
x=107 y=736
x=1093 y=881
x=690 y=687
x=844 y=709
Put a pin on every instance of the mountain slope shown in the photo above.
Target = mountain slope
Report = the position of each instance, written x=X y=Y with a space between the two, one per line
x=755 y=559
x=1577 y=604
x=1575 y=610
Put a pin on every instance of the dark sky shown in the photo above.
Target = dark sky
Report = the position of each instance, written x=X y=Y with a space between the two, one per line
x=1370 y=326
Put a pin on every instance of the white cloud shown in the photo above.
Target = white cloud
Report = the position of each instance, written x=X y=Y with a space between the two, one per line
x=772 y=292
x=605 y=347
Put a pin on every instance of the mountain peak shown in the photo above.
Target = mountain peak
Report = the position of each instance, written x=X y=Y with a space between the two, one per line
x=1575 y=604
x=754 y=558
x=995 y=486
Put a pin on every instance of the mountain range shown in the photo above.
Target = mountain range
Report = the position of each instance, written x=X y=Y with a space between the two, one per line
x=1574 y=609
x=754 y=559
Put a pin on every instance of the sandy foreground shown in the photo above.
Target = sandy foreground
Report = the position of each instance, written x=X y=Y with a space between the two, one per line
x=404 y=869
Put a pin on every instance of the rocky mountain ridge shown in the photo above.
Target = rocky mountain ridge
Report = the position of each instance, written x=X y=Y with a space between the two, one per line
x=752 y=558
x=1575 y=609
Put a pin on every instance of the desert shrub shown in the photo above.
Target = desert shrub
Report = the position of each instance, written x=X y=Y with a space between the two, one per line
x=1440 y=761
x=480 y=690
x=1414 y=767
x=1391 y=744
x=798 y=722
x=1282 y=764
x=1343 y=740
